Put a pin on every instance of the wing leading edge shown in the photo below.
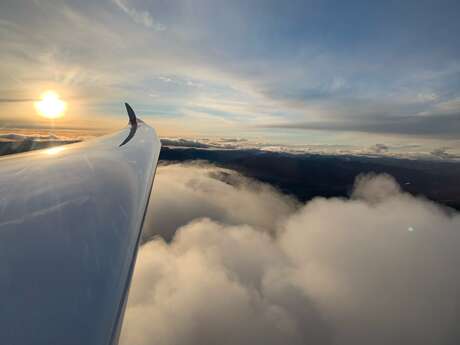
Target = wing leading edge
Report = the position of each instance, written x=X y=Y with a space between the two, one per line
x=70 y=223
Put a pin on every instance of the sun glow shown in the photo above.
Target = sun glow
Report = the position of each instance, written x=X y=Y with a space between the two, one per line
x=50 y=106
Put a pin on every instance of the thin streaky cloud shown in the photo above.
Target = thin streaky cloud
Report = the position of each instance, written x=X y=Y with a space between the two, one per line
x=140 y=17
x=16 y=100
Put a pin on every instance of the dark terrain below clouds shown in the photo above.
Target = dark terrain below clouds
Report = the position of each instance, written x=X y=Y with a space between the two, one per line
x=308 y=175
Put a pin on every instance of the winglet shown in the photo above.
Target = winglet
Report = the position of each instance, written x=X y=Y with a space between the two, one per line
x=133 y=122
x=131 y=114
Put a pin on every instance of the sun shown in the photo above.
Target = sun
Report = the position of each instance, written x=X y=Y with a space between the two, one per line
x=50 y=106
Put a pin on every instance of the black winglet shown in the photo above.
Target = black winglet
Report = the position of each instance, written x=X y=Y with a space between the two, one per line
x=133 y=122
x=131 y=114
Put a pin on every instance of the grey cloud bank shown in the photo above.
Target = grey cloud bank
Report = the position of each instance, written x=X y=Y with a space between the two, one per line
x=439 y=125
x=251 y=266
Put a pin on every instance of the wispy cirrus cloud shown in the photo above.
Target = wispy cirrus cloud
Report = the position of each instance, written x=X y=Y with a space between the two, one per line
x=140 y=17
x=16 y=100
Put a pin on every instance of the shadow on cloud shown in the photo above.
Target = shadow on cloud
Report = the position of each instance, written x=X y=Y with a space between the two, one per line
x=244 y=264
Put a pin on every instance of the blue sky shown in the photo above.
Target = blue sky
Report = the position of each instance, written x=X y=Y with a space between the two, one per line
x=300 y=71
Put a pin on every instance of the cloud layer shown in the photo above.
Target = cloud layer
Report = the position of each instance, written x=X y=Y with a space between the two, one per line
x=400 y=149
x=24 y=137
x=377 y=268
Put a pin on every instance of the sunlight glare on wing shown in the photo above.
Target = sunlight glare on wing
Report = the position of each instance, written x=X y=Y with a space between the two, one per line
x=54 y=150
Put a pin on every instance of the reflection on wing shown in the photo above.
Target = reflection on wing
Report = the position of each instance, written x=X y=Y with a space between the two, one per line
x=70 y=223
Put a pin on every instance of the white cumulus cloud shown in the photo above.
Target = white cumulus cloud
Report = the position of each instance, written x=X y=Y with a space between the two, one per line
x=183 y=193
x=378 y=268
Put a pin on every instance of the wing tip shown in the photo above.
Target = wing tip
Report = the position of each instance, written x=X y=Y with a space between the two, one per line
x=131 y=114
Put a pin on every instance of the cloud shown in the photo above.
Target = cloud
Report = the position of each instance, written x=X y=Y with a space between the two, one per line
x=16 y=100
x=140 y=17
x=380 y=148
x=24 y=137
x=435 y=125
x=397 y=149
x=207 y=191
x=378 y=268
x=180 y=142
x=375 y=189
x=442 y=153
x=11 y=142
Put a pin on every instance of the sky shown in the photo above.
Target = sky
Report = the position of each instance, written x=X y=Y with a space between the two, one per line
x=356 y=73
